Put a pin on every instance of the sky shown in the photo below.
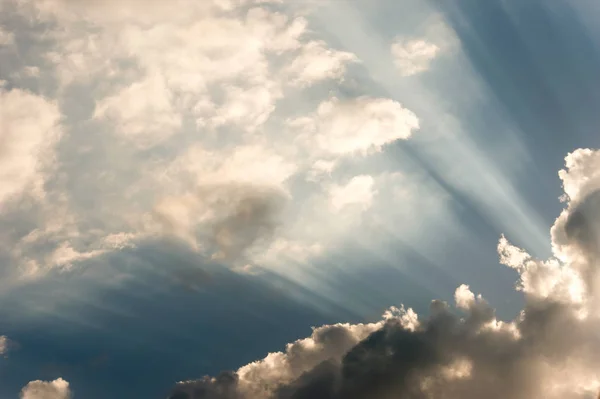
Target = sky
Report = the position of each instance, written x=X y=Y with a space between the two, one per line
x=276 y=199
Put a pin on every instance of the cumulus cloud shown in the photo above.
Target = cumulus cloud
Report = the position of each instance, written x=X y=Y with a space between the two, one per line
x=259 y=379
x=57 y=389
x=356 y=126
x=317 y=62
x=548 y=351
x=413 y=56
x=143 y=112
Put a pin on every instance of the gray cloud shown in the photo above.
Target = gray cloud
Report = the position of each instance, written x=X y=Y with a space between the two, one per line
x=582 y=227
x=228 y=218
x=254 y=216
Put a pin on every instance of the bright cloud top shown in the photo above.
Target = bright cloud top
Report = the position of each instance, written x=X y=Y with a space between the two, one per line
x=357 y=126
x=548 y=351
x=57 y=389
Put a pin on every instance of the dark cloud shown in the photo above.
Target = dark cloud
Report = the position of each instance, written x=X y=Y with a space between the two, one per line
x=582 y=227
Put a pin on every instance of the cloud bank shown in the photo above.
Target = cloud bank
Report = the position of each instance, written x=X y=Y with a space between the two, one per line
x=464 y=351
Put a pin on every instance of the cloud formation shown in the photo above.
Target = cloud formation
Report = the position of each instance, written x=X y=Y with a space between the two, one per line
x=196 y=100
x=358 y=191
x=413 y=56
x=57 y=389
x=27 y=141
x=356 y=126
x=548 y=351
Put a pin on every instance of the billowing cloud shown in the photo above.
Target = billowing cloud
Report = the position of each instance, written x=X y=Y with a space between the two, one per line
x=317 y=62
x=57 y=389
x=413 y=56
x=548 y=351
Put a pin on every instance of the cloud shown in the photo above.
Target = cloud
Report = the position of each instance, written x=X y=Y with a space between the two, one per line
x=465 y=352
x=225 y=219
x=5 y=345
x=358 y=191
x=283 y=250
x=143 y=112
x=6 y=38
x=356 y=126
x=57 y=389
x=181 y=125
x=413 y=56
x=258 y=379
x=27 y=141
x=316 y=62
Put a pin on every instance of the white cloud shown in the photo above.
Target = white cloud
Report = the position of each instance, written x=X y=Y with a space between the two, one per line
x=65 y=255
x=143 y=112
x=247 y=108
x=251 y=164
x=464 y=297
x=413 y=56
x=27 y=142
x=356 y=126
x=582 y=173
x=358 y=191
x=179 y=57
x=317 y=62
x=137 y=167
x=57 y=389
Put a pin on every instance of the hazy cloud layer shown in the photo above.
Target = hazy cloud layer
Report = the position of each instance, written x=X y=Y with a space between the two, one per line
x=548 y=351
